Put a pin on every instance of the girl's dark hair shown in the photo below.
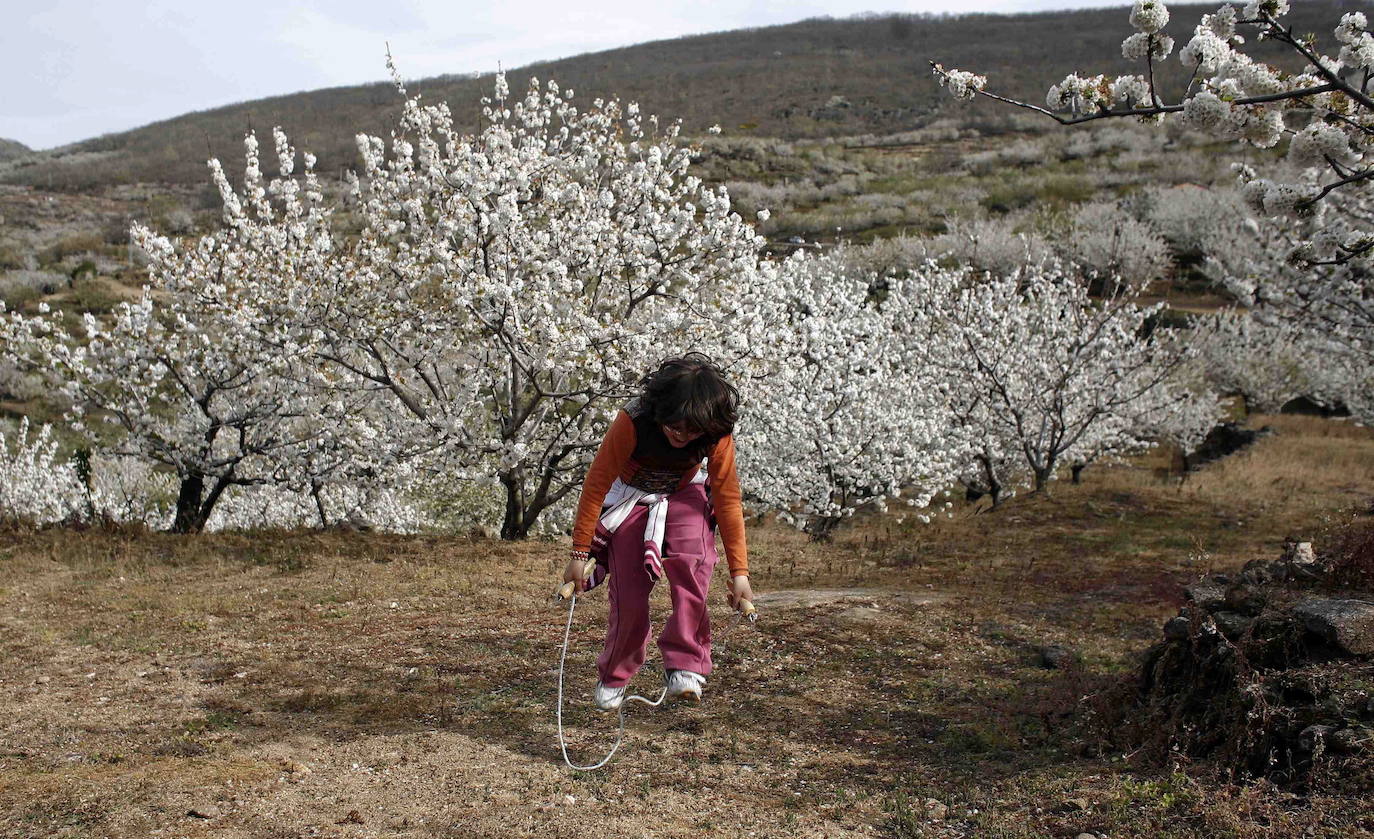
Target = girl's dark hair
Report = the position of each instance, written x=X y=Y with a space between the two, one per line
x=691 y=390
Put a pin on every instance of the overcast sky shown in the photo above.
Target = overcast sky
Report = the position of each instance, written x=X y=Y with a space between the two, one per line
x=75 y=69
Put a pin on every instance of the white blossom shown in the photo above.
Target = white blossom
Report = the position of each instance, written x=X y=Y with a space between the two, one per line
x=1272 y=8
x=1206 y=111
x=1149 y=16
x=1321 y=141
x=1139 y=45
x=840 y=417
x=468 y=328
x=36 y=487
x=1131 y=90
x=1038 y=367
x=960 y=83
x=1222 y=22
x=1078 y=94
x=1358 y=43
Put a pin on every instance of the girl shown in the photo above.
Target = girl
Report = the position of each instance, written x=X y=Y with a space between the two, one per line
x=647 y=510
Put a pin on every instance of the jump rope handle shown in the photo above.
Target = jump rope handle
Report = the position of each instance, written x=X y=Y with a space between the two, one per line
x=569 y=588
x=747 y=610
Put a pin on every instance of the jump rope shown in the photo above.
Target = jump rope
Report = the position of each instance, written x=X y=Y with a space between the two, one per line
x=568 y=591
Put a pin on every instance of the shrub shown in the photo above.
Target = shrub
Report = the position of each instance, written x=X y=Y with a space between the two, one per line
x=77 y=244
x=888 y=257
x=35 y=487
x=991 y=245
x=1019 y=193
x=1105 y=241
x=11 y=257
x=20 y=286
x=116 y=231
x=94 y=297
x=1020 y=153
x=86 y=268
x=1067 y=189
x=1186 y=215
x=1352 y=555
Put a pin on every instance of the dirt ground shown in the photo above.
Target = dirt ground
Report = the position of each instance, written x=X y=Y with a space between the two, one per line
x=360 y=685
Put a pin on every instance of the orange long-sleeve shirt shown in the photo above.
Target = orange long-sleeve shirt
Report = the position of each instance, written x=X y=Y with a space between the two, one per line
x=623 y=455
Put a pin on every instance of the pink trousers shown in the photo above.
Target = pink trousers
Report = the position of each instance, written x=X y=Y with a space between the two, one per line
x=689 y=558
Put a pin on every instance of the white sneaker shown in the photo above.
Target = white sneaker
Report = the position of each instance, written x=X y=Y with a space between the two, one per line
x=609 y=698
x=686 y=685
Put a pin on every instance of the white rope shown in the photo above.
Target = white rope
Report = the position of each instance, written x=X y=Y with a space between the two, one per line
x=562 y=743
x=652 y=703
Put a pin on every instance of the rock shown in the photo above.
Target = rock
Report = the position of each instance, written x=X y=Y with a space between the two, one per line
x=294 y=767
x=1085 y=836
x=1308 y=406
x=935 y=810
x=1246 y=599
x=1232 y=624
x=353 y=817
x=203 y=811
x=1259 y=572
x=1208 y=593
x=1314 y=736
x=1349 y=740
x=1299 y=553
x=1080 y=805
x=1304 y=639
x=1222 y=440
x=1348 y=624
x=1056 y=657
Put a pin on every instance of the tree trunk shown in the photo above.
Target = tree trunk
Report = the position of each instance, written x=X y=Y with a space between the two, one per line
x=81 y=458
x=994 y=485
x=319 y=503
x=190 y=517
x=515 y=525
x=194 y=505
x=821 y=529
x=1077 y=471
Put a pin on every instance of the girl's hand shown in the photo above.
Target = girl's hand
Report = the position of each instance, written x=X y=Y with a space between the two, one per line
x=739 y=590
x=576 y=572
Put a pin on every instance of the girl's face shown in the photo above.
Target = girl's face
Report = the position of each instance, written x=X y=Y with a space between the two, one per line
x=679 y=434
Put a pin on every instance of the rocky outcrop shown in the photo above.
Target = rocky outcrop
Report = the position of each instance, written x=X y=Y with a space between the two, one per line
x=1348 y=625
x=1224 y=439
x=1270 y=669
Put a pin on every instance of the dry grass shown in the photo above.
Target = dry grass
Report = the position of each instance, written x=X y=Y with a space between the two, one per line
x=1308 y=463
x=358 y=685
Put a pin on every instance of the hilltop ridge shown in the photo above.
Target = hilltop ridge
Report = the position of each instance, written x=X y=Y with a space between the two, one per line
x=815 y=78
x=10 y=149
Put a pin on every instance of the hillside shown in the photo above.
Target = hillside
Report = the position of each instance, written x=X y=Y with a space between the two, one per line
x=10 y=149
x=815 y=78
